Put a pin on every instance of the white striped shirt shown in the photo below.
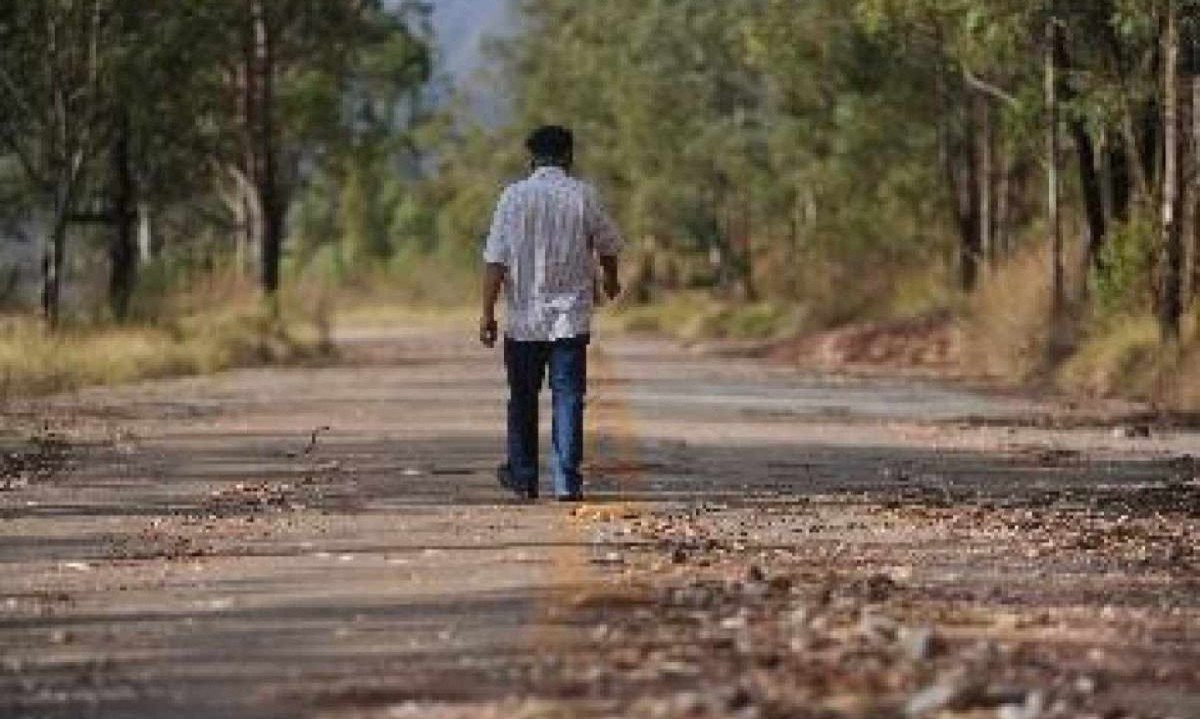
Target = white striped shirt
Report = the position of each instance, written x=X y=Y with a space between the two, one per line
x=546 y=231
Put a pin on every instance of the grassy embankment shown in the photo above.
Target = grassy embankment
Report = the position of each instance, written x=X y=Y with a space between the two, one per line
x=217 y=321
x=209 y=323
x=1001 y=333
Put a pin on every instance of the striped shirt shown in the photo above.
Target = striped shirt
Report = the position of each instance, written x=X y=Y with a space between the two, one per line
x=545 y=232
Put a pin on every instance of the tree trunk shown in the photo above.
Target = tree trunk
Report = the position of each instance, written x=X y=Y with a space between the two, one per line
x=966 y=179
x=1132 y=163
x=52 y=262
x=266 y=178
x=146 y=242
x=1195 y=70
x=1054 y=218
x=1120 y=187
x=1004 y=185
x=54 y=243
x=1170 y=306
x=957 y=156
x=123 y=250
x=1093 y=199
x=1089 y=179
x=986 y=173
x=245 y=204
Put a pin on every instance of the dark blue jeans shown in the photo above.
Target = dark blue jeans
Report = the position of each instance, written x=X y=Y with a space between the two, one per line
x=526 y=363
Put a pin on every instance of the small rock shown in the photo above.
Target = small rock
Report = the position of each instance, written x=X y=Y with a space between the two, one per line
x=61 y=636
x=877 y=587
x=737 y=621
x=799 y=616
x=1086 y=685
x=608 y=558
x=932 y=699
x=740 y=698
x=877 y=627
x=920 y=643
x=1032 y=708
x=687 y=704
x=679 y=556
x=756 y=590
x=1132 y=431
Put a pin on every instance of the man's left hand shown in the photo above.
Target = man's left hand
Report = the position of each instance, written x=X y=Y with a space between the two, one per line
x=488 y=332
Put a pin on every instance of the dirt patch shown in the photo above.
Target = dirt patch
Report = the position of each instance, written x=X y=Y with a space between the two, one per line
x=924 y=344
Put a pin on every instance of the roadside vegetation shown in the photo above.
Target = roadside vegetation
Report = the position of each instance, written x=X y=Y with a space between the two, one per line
x=1017 y=179
x=1016 y=183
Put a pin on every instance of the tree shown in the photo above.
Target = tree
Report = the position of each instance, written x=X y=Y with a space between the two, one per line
x=287 y=49
x=1170 y=300
x=53 y=117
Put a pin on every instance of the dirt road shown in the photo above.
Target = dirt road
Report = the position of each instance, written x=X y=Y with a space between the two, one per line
x=330 y=542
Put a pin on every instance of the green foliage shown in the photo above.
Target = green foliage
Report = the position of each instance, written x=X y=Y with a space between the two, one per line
x=1121 y=356
x=1123 y=279
x=159 y=107
x=766 y=141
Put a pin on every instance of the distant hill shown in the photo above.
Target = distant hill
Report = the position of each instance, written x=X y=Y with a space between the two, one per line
x=461 y=28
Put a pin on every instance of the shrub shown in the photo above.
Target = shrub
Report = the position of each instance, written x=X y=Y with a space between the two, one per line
x=1121 y=356
x=1008 y=327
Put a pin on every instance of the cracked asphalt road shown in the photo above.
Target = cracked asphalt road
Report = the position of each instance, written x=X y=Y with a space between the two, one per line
x=186 y=548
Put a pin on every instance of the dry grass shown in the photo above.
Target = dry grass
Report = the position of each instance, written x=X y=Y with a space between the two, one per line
x=1007 y=327
x=204 y=322
x=1123 y=357
x=34 y=361
x=698 y=315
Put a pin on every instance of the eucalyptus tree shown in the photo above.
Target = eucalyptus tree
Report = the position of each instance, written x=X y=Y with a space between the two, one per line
x=53 y=113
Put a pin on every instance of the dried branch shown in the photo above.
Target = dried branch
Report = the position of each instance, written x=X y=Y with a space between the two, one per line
x=988 y=88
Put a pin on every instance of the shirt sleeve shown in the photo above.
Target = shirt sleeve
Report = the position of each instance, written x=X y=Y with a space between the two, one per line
x=600 y=226
x=497 y=250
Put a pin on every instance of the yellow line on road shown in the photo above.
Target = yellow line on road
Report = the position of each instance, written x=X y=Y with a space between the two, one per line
x=611 y=451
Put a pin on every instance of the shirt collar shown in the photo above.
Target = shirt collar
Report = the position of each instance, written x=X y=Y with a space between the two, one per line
x=548 y=171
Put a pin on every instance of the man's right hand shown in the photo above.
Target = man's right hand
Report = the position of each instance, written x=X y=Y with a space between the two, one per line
x=611 y=281
x=612 y=286
x=488 y=331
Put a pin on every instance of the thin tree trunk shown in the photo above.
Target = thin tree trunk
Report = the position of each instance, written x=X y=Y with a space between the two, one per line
x=1195 y=205
x=1052 y=182
x=1171 y=245
x=986 y=173
x=266 y=178
x=1089 y=179
x=1093 y=199
x=957 y=157
x=1134 y=175
x=54 y=248
x=1119 y=180
x=246 y=204
x=968 y=215
x=123 y=250
x=749 y=287
x=52 y=260
x=146 y=243
x=1003 y=238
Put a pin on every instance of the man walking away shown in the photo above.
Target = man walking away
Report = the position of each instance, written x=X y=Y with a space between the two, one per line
x=546 y=235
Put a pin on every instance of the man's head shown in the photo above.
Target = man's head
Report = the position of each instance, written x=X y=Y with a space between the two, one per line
x=551 y=145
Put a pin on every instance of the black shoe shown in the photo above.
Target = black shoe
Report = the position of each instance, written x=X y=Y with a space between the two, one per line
x=504 y=476
x=573 y=497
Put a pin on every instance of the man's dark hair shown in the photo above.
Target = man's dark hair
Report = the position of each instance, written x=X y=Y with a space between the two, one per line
x=551 y=144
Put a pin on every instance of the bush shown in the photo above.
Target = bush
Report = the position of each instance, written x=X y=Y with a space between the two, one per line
x=34 y=361
x=1008 y=327
x=1123 y=281
x=1120 y=357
